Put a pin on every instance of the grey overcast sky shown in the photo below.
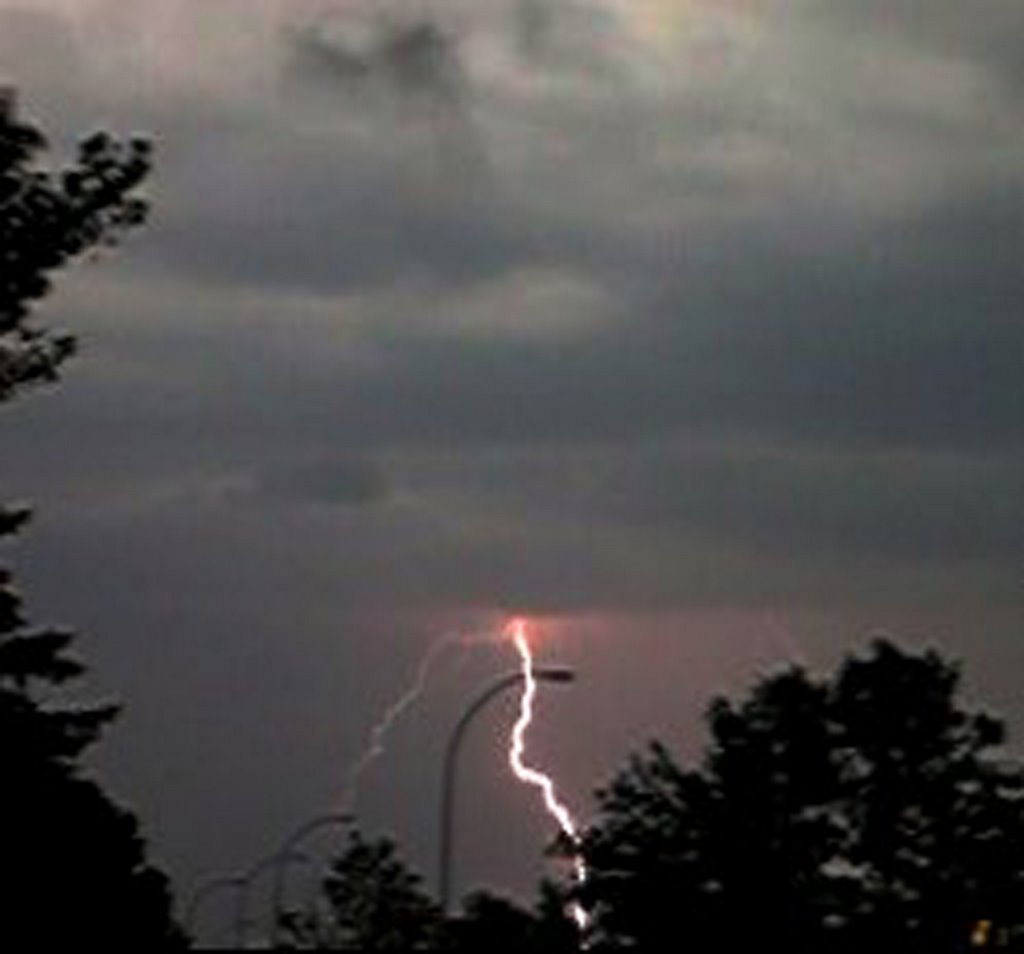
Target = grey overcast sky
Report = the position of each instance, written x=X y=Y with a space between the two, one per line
x=690 y=327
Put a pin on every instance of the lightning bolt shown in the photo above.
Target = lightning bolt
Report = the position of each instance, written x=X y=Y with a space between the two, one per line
x=376 y=744
x=532 y=776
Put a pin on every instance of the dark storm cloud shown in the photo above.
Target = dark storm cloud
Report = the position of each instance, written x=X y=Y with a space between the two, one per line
x=315 y=57
x=333 y=481
x=822 y=302
x=854 y=345
x=851 y=346
x=533 y=19
x=812 y=337
x=905 y=336
x=986 y=32
x=306 y=222
x=907 y=508
x=566 y=37
x=397 y=69
x=383 y=186
x=413 y=58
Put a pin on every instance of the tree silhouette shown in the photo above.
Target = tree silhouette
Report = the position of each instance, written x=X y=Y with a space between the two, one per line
x=491 y=923
x=372 y=901
x=868 y=810
x=47 y=219
x=72 y=862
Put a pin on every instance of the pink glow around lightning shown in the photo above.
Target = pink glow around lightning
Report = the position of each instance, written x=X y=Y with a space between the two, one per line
x=532 y=776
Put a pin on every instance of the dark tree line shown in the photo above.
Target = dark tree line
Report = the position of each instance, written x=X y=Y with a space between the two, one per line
x=48 y=219
x=865 y=811
x=370 y=900
x=72 y=862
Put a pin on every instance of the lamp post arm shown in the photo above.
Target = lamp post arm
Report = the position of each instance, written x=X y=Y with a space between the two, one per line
x=242 y=901
x=202 y=893
x=448 y=781
x=557 y=674
x=287 y=853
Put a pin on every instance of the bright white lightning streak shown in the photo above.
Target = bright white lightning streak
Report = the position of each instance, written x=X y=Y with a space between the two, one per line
x=532 y=776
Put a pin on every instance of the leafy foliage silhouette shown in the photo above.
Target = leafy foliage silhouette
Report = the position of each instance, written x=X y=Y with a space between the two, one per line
x=47 y=219
x=869 y=810
x=72 y=861
x=491 y=923
x=830 y=815
x=371 y=902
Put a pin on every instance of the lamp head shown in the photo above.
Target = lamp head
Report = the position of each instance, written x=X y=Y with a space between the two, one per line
x=562 y=674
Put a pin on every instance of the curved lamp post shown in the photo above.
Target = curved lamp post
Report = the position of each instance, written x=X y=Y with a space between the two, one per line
x=203 y=892
x=288 y=852
x=556 y=674
x=245 y=882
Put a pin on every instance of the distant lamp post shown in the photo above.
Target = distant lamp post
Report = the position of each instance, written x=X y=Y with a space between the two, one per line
x=207 y=889
x=245 y=883
x=554 y=674
x=288 y=853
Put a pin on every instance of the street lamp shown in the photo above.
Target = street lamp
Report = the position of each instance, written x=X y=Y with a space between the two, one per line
x=245 y=882
x=288 y=852
x=202 y=893
x=555 y=674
